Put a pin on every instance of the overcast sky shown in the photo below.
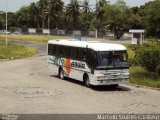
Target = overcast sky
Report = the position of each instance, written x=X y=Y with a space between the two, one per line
x=14 y=5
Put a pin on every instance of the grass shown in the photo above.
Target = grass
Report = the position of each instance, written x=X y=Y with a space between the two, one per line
x=36 y=38
x=15 y=51
x=140 y=76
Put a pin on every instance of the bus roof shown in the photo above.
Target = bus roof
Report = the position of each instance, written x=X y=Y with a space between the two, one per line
x=95 y=45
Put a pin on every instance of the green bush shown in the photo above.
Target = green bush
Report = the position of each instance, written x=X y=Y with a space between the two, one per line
x=132 y=60
x=148 y=56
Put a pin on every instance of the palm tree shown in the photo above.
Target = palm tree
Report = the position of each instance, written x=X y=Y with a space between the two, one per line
x=86 y=10
x=42 y=6
x=34 y=12
x=86 y=7
x=54 y=10
x=100 y=12
x=72 y=13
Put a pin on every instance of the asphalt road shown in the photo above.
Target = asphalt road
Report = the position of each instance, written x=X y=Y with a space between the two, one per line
x=27 y=87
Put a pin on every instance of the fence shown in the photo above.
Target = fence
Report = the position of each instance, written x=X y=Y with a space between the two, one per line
x=57 y=32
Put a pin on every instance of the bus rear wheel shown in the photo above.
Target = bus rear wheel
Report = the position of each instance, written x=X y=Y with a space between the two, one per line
x=61 y=74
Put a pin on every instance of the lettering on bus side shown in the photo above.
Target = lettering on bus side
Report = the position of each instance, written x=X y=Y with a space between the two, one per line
x=78 y=65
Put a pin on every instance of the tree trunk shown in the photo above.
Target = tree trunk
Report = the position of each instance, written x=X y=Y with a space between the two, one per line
x=43 y=23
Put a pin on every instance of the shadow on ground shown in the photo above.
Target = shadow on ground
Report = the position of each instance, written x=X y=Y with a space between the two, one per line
x=96 y=88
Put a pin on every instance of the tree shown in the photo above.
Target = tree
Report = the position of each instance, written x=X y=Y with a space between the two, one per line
x=121 y=5
x=100 y=13
x=23 y=17
x=117 y=18
x=151 y=18
x=2 y=20
x=73 y=13
x=35 y=14
x=86 y=15
x=12 y=20
x=55 y=10
x=136 y=18
x=42 y=7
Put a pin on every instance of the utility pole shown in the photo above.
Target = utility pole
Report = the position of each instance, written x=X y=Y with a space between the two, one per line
x=6 y=23
x=96 y=19
x=48 y=14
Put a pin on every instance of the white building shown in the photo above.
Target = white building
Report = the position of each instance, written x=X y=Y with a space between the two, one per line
x=137 y=36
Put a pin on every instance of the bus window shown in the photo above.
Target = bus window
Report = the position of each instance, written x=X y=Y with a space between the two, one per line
x=50 y=49
x=105 y=59
x=57 y=50
x=68 y=52
x=61 y=50
x=120 y=56
x=74 y=52
x=81 y=53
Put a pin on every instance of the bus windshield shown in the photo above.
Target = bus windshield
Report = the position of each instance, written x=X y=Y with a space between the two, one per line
x=112 y=59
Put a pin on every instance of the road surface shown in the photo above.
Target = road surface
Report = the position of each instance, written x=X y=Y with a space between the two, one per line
x=27 y=87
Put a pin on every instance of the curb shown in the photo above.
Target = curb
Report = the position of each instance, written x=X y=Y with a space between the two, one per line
x=141 y=86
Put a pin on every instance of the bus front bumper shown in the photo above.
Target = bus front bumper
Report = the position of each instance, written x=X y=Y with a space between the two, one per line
x=110 y=81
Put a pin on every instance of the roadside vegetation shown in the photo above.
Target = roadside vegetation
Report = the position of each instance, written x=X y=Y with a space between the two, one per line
x=145 y=64
x=12 y=52
x=140 y=76
x=36 y=38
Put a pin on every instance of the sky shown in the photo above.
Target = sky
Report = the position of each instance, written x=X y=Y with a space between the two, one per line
x=14 y=5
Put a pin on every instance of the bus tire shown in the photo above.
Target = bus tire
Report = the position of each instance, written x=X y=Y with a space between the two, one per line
x=61 y=74
x=86 y=81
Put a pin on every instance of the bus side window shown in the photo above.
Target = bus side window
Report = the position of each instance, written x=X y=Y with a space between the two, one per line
x=81 y=54
x=74 y=53
x=50 y=49
x=57 y=50
x=78 y=53
x=62 y=51
x=68 y=52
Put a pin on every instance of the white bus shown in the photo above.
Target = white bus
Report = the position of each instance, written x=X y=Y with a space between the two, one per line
x=94 y=63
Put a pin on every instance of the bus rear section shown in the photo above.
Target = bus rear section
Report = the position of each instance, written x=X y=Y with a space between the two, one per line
x=93 y=63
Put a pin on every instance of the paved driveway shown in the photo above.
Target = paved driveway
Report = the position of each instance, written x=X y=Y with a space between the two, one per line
x=26 y=86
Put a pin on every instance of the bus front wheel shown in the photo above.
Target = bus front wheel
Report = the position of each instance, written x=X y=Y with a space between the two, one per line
x=87 y=81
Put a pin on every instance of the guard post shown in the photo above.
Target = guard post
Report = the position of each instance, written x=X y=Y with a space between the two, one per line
x=137 y=36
